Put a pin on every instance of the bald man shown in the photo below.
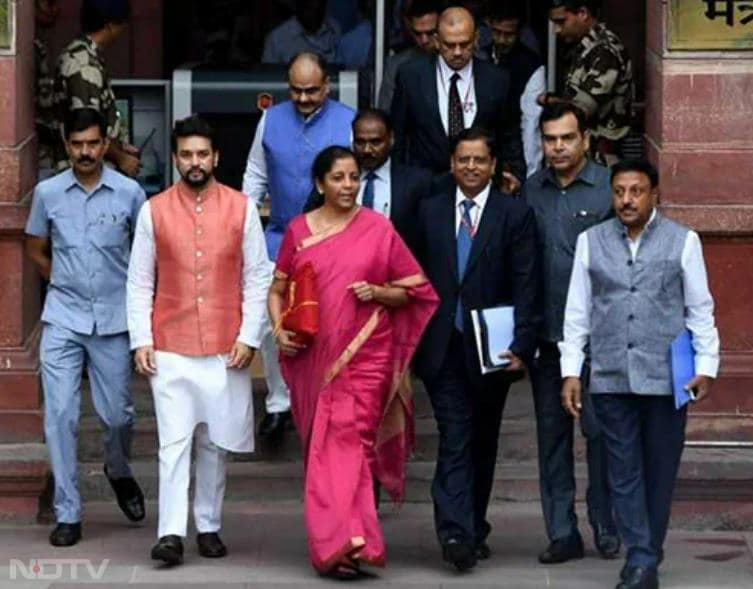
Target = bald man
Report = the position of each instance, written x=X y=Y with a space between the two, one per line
x=437 y=96
x=288 y=138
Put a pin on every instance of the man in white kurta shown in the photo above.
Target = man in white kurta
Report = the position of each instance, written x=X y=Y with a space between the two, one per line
x=197 y=285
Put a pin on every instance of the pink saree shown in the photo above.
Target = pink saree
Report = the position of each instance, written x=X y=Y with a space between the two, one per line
x=350 y=398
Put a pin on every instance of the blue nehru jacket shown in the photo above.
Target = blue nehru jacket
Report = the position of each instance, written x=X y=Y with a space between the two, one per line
x=90 y=236
x=291 y=143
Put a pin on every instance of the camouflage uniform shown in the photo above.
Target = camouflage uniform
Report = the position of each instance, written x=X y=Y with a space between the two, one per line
x=82 y=81
x=44 y=114
x=600 y=82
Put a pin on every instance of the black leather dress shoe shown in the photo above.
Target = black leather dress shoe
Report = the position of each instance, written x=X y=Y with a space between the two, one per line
x=65 y=534
x=129 y=496
x=460 y=554
x=563 y=550
x=210 y=545
x=639 y=578
x=169 y=550
x=625 y=571
x=273 y=424
x=608 y=544
x=483 y=552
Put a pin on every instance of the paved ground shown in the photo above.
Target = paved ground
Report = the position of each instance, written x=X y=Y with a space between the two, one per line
x=268 y=550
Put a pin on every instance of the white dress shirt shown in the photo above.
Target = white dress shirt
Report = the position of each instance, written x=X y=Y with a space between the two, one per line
x=382 y=189
x=466 y=90
x=476 y=212
x=529 y=122
x=699 y=307
x=256 y=278
x=255 y=177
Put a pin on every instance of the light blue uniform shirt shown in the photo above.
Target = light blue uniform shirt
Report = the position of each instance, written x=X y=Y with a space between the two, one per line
x=90 y=236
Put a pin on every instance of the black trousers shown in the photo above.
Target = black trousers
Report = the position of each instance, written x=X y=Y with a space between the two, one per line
x=468 y=417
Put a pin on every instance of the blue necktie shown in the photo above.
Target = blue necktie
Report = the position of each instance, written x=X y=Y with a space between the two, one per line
x=464 y=242
x=368 y=191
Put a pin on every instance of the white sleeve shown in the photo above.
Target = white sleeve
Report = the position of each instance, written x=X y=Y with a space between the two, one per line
x=529 y=122
x=255 y=280
x=255 y=176
x=699 y=307
x=577 y=324
x=141 y=281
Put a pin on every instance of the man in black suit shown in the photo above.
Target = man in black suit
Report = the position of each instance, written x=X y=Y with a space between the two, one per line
x=477 y=246
x=436 y=97
x=388 y=187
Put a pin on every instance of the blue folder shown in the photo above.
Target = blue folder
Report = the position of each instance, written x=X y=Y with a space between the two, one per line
x=682 y=359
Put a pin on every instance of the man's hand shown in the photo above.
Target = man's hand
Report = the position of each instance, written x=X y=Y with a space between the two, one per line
x=571 y=392
x=700 y=385
x=144 y=361
x=510 y=184
x=287 y=345
x=515 y=363
x=240 y=356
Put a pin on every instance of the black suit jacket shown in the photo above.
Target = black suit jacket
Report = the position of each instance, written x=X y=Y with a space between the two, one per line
x=408 y=186
x=502 y=268
x=420 y=138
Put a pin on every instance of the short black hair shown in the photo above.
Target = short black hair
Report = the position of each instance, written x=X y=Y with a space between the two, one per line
x=190 y=127
x=636 y=165
x=313 y=56
x=95 y=14
x=553 y=112
x=81 y=119
x=593 y=6
x=374 y=114
x=419 y=8
x=505 y=10
x=473 y=134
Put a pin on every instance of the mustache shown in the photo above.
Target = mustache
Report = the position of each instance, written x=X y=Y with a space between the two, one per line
x=85 y=159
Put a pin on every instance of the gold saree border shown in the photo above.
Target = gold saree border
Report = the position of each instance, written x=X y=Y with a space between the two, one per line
x=316 y=238
x=409 y=281
x=353 y=545
x=355 y=344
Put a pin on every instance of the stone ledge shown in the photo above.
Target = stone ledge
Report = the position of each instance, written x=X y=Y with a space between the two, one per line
x=713 y=220
x=23 y=476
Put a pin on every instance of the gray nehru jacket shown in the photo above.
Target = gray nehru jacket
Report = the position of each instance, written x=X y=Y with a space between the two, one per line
x=562 y=213
x=638 y=306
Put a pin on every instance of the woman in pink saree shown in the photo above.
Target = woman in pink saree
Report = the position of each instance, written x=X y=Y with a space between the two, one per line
x=350 y=400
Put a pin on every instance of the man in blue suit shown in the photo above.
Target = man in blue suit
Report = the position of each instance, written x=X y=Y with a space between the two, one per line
x=477 y=246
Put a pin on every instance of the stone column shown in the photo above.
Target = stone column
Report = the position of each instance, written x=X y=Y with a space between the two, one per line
x=23 y=458
x=699 y=133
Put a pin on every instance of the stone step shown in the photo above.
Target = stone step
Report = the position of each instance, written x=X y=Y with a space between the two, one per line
x=517 y=442
x=705 y=475
x=517 y=435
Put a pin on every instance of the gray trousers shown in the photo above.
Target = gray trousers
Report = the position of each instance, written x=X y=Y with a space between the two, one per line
x=108 y=360
x=555 y=441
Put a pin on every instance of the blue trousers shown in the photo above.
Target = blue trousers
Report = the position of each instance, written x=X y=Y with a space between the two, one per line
x=644 y=436
x=62 y=355
x=554 y=428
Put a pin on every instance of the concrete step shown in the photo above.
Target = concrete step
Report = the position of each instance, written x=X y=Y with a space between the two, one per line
x=517 y=435
x=705 y=476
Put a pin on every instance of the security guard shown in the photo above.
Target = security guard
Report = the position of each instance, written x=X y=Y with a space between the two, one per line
x=599 y=79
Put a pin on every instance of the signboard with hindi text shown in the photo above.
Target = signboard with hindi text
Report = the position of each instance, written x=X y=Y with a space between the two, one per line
x=710 y=24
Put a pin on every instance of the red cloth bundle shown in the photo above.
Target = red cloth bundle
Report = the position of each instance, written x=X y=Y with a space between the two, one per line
x=301 y=313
